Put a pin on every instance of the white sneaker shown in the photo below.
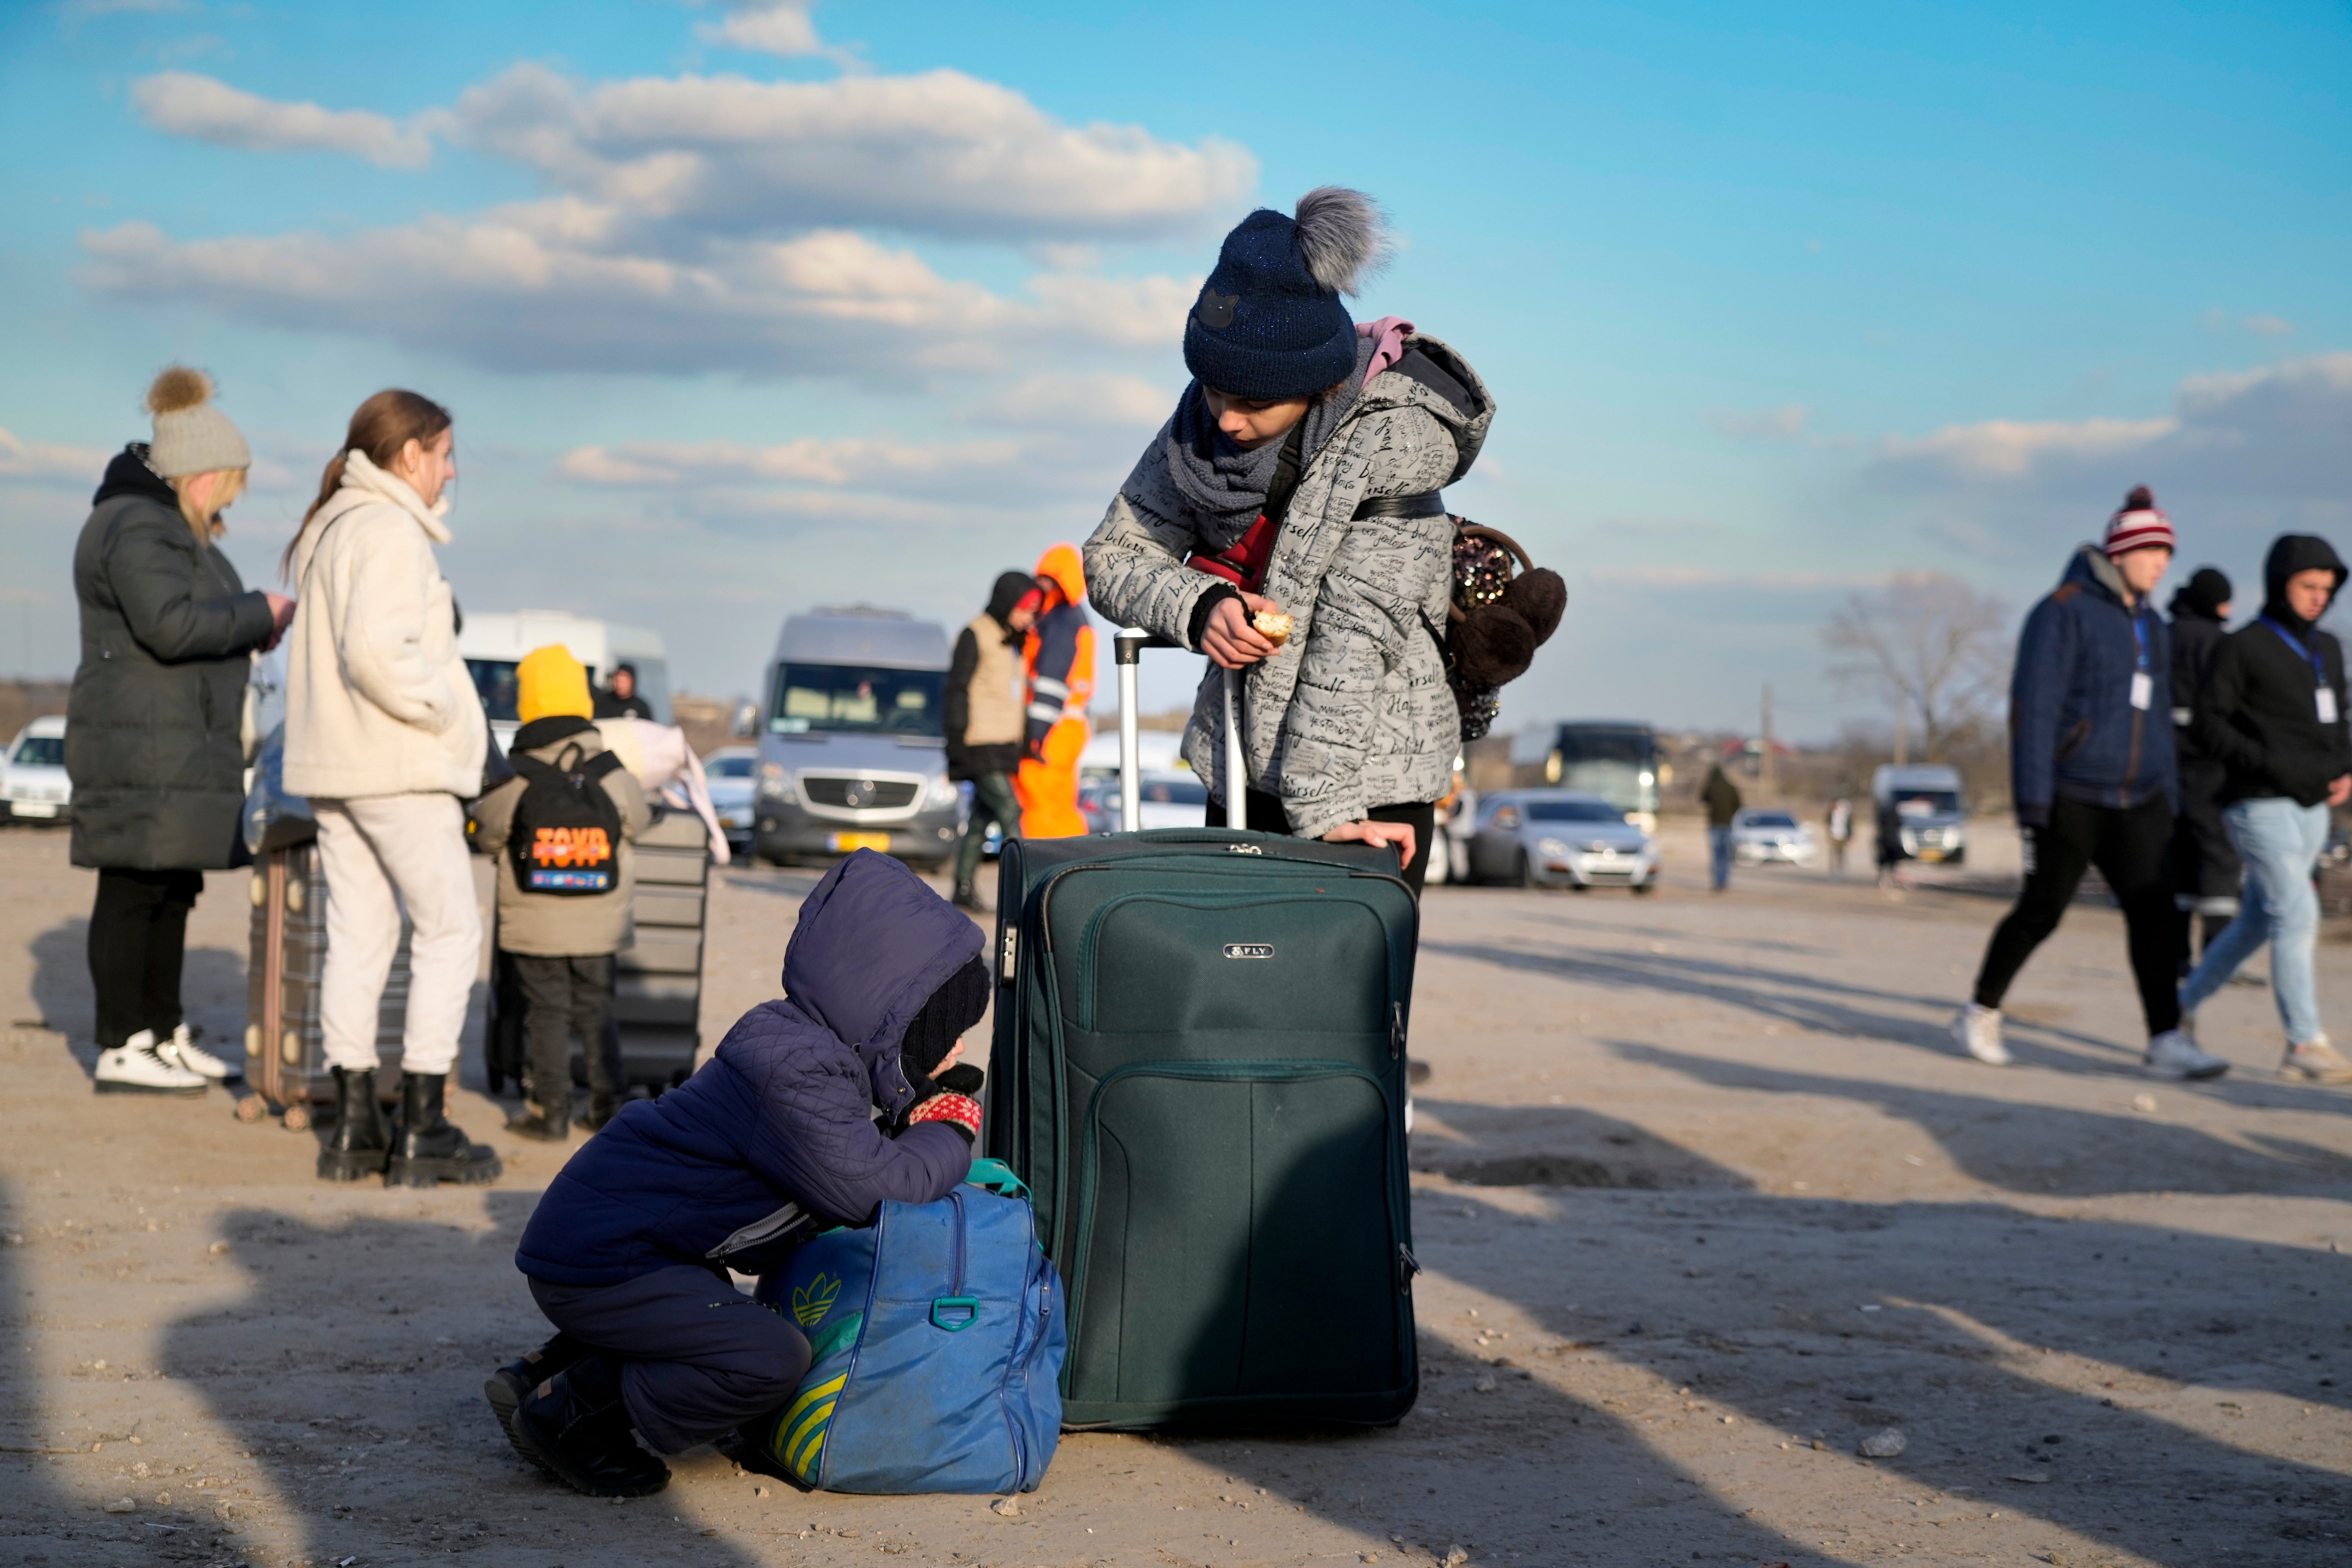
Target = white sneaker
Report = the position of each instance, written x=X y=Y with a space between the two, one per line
x=1978 y=1029
x=2315 y=1061
x=2173 y=1055
x=182 y=1052
x=137 y=1067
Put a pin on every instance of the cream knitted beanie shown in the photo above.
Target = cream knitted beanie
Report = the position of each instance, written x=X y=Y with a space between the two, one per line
x=191 y=436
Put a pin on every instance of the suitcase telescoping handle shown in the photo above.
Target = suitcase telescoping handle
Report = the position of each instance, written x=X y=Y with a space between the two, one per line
x=1128 y=645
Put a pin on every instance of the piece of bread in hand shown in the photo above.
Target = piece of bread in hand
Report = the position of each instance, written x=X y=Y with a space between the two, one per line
x=1273 y=626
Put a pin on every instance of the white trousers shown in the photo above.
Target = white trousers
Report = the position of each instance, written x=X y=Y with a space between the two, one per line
x=378 y=855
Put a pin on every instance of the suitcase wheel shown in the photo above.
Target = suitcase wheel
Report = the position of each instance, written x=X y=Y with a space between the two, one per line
x=252 y=1108
x=297 y=1118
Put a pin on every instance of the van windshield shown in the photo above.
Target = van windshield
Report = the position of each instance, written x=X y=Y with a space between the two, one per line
x=495 y=681
x=40 y=752
x=857 y=700
x=1573 y=811
x=1927 y=803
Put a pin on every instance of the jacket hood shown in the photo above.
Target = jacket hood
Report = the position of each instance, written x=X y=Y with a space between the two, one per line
x=873 y=942
x=2091 y=569
x=1455 y=397
x=1061 y=568
x=128 y=474
x=2291 y=553
x=360 y=474
x=1008 y=593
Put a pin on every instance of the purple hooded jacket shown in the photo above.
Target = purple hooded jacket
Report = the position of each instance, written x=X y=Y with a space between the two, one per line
x=785 y=1110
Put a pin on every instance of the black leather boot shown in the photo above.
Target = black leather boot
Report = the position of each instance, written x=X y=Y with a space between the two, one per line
x=967 y=897
x=511 y=1384
x=360 y=1143
x=428 y=1149
x=578 y=1427
x=541 y=1122
x=602 y=1108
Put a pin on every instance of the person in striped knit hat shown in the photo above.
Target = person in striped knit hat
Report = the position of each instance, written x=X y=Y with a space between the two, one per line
x=2093 y=775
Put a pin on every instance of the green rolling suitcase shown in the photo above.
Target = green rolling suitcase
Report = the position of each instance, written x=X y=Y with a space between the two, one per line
x=1199 y=1068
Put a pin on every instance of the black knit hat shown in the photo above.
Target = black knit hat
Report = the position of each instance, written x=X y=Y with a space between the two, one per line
x=955 y=1006
x=2205 y=594
x=1269 y=323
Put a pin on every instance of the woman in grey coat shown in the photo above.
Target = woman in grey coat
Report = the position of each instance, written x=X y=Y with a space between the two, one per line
x=151 y=727
x=1299 y=477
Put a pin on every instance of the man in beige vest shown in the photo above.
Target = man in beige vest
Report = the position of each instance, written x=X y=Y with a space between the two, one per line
x=985 y=726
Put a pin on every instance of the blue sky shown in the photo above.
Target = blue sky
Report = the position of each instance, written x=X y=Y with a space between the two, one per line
x=746 y=308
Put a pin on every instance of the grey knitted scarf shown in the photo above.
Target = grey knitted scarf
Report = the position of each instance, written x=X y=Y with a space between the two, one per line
x=1227 y=486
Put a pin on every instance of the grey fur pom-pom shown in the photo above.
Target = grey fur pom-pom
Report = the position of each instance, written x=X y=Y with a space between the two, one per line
x=1343 y=237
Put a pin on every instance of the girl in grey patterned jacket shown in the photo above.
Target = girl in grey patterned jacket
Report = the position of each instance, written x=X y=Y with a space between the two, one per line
x=1297 y=475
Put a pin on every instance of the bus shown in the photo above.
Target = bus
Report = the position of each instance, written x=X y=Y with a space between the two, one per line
x=1614 y=759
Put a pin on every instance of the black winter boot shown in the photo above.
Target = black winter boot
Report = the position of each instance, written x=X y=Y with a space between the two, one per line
x=358 y=1145
x=967 y=897
x=511 y=1384
x=429 y=1149
x=602 y=1108
x=541 y=1122
x=577 y=1425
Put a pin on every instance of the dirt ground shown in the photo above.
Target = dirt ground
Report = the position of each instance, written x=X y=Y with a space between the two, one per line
x=1705 y=1195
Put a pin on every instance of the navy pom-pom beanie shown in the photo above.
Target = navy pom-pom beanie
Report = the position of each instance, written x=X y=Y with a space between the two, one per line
x=1264 y=327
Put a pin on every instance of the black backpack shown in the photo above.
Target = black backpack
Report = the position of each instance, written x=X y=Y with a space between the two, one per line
x=566 y=836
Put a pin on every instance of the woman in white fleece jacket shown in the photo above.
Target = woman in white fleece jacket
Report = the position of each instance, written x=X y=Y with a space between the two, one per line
x=385 y=735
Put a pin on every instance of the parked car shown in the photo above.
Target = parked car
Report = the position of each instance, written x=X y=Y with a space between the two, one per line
x=1766 y=835
x=1924 y=801
x=1559 y=838
x=33 y=782
x=734 y=772
x=853 y=748
x=1170 y=798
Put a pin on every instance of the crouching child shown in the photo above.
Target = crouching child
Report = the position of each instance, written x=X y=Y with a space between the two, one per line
x=561 y=832
x=823 y=1101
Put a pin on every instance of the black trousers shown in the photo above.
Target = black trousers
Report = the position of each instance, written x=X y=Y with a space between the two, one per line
x=2132 y=850
x=138 y=939
x=1267 y=815
x=698 y=1357
x=562 y=997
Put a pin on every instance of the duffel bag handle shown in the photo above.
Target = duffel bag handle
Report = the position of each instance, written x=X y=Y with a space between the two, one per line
x=961 y=1313
x=997 y=1177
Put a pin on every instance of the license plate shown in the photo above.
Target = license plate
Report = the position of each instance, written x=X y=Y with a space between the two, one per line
x=1931 y=854
x=34 y=807
x=843 y=843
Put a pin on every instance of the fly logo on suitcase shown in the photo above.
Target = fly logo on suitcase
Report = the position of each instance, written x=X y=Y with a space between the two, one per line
x=1216 y=1148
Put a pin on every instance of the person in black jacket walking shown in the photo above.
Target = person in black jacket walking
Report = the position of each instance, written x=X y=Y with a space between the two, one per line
x=2272 y=713
x=2205 y=870
x=2090 y=770
x=152 y=740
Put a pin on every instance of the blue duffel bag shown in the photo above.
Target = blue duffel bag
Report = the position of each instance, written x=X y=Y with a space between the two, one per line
x=936 y=1338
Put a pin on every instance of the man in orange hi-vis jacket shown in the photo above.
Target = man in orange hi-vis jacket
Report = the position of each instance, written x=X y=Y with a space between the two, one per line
x=1059 y=658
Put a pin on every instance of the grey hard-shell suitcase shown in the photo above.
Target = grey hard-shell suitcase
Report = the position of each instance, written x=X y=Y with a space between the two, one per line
x=656 y=979
x=285 y=958
x=1198 y=1066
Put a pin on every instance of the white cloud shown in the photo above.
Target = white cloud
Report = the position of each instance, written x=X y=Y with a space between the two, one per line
x=1786 y=423
x=2011 y=448
x=551 y=285
x=2279 y=427
x=207 y=110
x=771 y=28
x=941 y=153
x=49 y=461
x=1048 y=399
x=2267 y=326
x=839 y=462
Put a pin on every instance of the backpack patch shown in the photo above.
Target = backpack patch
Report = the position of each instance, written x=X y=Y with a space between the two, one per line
x=566 y=837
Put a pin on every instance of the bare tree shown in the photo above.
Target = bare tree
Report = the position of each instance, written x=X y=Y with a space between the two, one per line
x=1933 y=646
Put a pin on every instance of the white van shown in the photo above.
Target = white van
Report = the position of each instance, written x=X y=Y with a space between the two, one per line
x=493 y=645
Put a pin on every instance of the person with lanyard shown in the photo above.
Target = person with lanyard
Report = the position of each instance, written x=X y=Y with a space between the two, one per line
x=2272 y=713
x=2091 y=772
